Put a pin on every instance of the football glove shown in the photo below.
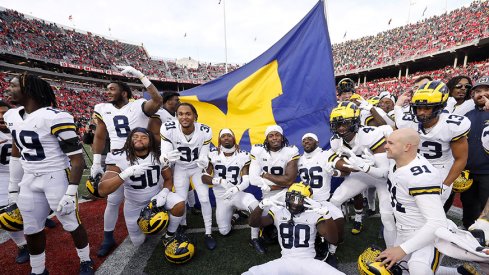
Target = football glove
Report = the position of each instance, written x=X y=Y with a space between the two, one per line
x=317 y=207
x=96 y=166
x=67 y=204
x=129 y=70
x=364 y=105
x=230 y=192
x=161 y=197
x=445 y=192
x=12 y=197
x=135 y=170
x=169 y=157
x=272 y=201
x=202 y=163
x=481 y=224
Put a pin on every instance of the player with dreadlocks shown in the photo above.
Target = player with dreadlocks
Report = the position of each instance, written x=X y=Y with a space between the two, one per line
x=137 y=167
x=49 y=170
x=273 y=167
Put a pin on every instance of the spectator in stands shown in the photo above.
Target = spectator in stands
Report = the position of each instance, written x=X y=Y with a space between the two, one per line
x=459 y=102
x=474 y=199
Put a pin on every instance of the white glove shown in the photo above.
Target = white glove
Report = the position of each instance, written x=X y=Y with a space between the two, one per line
x=96 y=166
x=357 y=163
x=67 y=204
x=272 y=201
x=130 y=71
x=483 y=225
x=445 y=192
x=230 y=192
x=330 y=170
x=364 y=105
x=368 y=157
x=219 y=181
x=135 y=170
x=169 y=157
x=202 y=163
x=265 y=189
x=314 y=206
x=161 y=197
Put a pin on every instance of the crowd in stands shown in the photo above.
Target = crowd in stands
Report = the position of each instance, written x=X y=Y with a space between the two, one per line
x=48 y=41
x=397 y=86
x=433 y=34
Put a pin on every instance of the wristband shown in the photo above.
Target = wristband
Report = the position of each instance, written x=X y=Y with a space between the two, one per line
x=97 y=159
x=145 y=81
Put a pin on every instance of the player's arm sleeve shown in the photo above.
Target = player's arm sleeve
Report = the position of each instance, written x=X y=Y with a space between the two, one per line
x=461 y=130
x=97 y=112
x=403 y=120
x=432 y=210
x=255 y=168
x=166 y=144
x=388 y=120
x=63 y=127
x=294 y=153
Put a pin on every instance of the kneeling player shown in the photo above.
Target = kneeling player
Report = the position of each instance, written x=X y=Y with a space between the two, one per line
x=297 y=229
x=138 y=167
x=230 y=169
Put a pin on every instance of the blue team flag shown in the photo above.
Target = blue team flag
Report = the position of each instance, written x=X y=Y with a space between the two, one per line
x=291 y=84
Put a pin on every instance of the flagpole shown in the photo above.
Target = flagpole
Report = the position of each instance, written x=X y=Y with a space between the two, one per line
x=225 y=39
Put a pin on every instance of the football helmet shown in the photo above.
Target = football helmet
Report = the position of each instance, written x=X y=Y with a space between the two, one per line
x=92 y=185
x=179 y=250
x=367 y=265
x=374 y=100
x=356 y=97
x=345 y=113
x=346 y=85
x=463 y=182
x=10 y=218
x=153 y=219
x=294 y=198
x=433 y=94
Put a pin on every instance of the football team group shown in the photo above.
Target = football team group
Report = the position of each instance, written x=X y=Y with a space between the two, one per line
x=411 y=153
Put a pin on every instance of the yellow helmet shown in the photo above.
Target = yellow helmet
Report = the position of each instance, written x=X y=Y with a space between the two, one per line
x=10 y=218
x=92 y=185
x=152 y=219
x=463 y=182
x=179 y=250
x=367 y=265
x=294 y=198
x=374 y=100
x=356 y=97
x=433 y=94
x=345 y=113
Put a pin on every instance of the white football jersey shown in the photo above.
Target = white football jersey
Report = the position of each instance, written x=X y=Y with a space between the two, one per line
x=296 y=238
x=228 y=168
x=164 y=115
x=190 y=149
x=461 y=109
x=485 y=139
x=120 y=122
x=312 y=171
x=367 y=137
x=435 y=143
x=142 y=188
x=274 y=162
x=417 y=178
x=5 y=153
x=38 y=136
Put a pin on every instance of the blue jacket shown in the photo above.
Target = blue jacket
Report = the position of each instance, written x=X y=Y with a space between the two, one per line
x=478 y=161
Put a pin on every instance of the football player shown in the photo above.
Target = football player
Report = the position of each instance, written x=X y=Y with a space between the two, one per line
x=117 y=118
x=137 y=167
x=345 y=89
x=316 y=171
x=230 y=167
x=386 y=103
x=297 y=229
x=5 y=152
x=187 y=143
x=165 y=113
x=273 y=165
x=46 y=165
x=370 y=115
x=415 y=187
x=352 y=139
x=443 y=136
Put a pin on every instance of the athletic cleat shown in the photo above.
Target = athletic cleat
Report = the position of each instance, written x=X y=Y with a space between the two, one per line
x=210 y=243
x=332 y=260
x=357 y=228
x=168 y=239
x=108 y=244
x=86 y=268
x=22 y=255
x=257 y=245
